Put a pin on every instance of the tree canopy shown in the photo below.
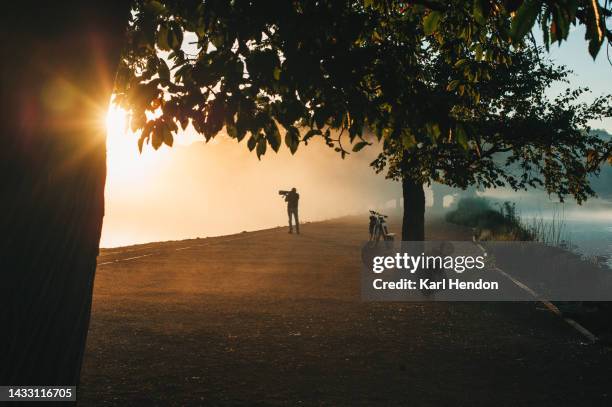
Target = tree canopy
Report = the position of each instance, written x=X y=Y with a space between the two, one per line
x=554 y=18
x=325 y=68
x=253 y=71
x=419 y=76
x=515 y=135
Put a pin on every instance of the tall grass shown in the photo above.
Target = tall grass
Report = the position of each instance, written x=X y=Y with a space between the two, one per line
x=502 y=221
x=552 y=232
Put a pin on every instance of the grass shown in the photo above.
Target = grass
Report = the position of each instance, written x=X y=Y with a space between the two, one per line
x=501 y=221
x=551 y=232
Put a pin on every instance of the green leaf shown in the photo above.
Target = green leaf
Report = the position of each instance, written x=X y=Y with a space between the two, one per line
x=319 y=118
x=241 y=125
x=155 y=7
x=252 y=142
x=273 y=136
x=433 y=130
x=525 y=18
x=162 y=38
x=232 y=131
x=145 y=134
x=168 y=138
x=261 y=147
x=462 y=138
x=478 y=52
x=594 y=46
x=175 y=38
x=292 y=139
x=241 y=132
x=217 y=40
x=461 y=63
x=453 y=85
x=311 y=133
x=563 y=26
x=408 y=140
x=481 y=11
x=163 y=71
x=431 y=22
x=359 y=146
x=184 y=120
x=546 y=32
x=157 y=137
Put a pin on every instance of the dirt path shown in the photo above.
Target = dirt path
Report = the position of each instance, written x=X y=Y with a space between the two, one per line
x=267 y=318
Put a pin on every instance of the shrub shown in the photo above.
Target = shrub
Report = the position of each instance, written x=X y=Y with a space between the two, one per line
x=489 y=223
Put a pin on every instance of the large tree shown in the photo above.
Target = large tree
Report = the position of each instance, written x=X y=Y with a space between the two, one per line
x=307 y=63
x=329 y=69
x=510 y=135
x=299 y=64
x=58 y=64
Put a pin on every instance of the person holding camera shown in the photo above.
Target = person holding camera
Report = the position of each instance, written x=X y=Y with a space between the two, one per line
x=292 y=198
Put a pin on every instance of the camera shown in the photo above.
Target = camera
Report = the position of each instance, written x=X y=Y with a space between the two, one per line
x=284 y=193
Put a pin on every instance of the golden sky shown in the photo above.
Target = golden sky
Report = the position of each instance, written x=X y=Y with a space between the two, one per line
x=206 y=189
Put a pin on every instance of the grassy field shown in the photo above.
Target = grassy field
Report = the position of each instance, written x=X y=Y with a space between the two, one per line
x=268 y=318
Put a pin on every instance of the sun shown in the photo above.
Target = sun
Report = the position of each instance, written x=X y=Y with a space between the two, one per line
x=121 y=146
x=116 y=121
x=125 y=164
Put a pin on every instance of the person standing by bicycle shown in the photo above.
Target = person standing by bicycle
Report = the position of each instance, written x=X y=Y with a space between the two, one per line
x=292 y=199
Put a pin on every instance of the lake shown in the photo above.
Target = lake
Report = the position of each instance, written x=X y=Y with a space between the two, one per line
x=588 y=231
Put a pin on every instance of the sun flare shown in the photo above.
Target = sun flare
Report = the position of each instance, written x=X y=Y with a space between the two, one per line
x=116 y=121
x=125 y=164
x=123 y=159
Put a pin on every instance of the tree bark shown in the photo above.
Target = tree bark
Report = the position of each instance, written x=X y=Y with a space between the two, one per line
x=58 y=66
x=413 y=224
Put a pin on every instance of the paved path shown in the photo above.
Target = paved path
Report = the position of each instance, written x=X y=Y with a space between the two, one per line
x=267 y=318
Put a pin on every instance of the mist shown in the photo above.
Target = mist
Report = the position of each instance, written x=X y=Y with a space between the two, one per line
x=198 y=189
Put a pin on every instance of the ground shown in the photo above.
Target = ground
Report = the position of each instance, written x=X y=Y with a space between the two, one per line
x=268 y=318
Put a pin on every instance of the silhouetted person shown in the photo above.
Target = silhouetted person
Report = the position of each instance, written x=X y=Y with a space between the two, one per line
x=292 y=199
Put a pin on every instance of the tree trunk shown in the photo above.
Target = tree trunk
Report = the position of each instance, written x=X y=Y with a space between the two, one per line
x=58 y=65
x=413 y=225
